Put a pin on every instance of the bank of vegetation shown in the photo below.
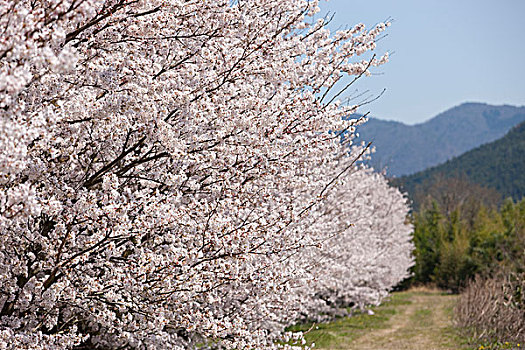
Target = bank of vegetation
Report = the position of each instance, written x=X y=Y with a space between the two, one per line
x=468 y=242
x=469 y=234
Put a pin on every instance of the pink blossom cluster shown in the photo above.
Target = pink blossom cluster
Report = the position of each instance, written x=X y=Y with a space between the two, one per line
x=168 y=178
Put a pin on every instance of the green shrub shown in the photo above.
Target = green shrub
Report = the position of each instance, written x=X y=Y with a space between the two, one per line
x=453 y=245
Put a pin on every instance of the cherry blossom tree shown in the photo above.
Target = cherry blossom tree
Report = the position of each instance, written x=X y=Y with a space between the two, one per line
x=163 y=168
x=371 y=250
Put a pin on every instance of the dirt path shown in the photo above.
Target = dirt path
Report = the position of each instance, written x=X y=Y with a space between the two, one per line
x=417 y=319
x=424 y=323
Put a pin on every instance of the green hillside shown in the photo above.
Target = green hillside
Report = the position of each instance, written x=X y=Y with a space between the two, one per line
x=406 y=149
x=499 y=165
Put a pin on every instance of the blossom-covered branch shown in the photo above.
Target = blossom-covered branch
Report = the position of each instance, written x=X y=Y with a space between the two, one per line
x=157 y=162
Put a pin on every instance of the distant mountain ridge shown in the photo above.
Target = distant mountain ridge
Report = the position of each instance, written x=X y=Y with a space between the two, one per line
x=499 y=165
x=406 y=149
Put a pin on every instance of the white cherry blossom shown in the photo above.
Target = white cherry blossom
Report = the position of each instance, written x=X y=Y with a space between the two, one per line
x=168 y=178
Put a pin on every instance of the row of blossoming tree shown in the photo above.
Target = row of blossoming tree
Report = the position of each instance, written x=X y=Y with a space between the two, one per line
x=168 y=178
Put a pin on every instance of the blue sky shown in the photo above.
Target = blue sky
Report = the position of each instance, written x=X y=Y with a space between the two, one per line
x=446 y=52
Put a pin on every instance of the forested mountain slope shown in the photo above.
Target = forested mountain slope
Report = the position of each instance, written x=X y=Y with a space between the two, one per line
x=499 y=165
x=405 y=149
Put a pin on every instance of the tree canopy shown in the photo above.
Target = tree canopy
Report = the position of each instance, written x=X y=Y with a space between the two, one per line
x=168 y=178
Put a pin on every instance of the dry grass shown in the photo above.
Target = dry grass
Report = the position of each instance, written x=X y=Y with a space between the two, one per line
x=493 y=309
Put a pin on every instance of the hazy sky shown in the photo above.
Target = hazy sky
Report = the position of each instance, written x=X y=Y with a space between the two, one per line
x=446 y=52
